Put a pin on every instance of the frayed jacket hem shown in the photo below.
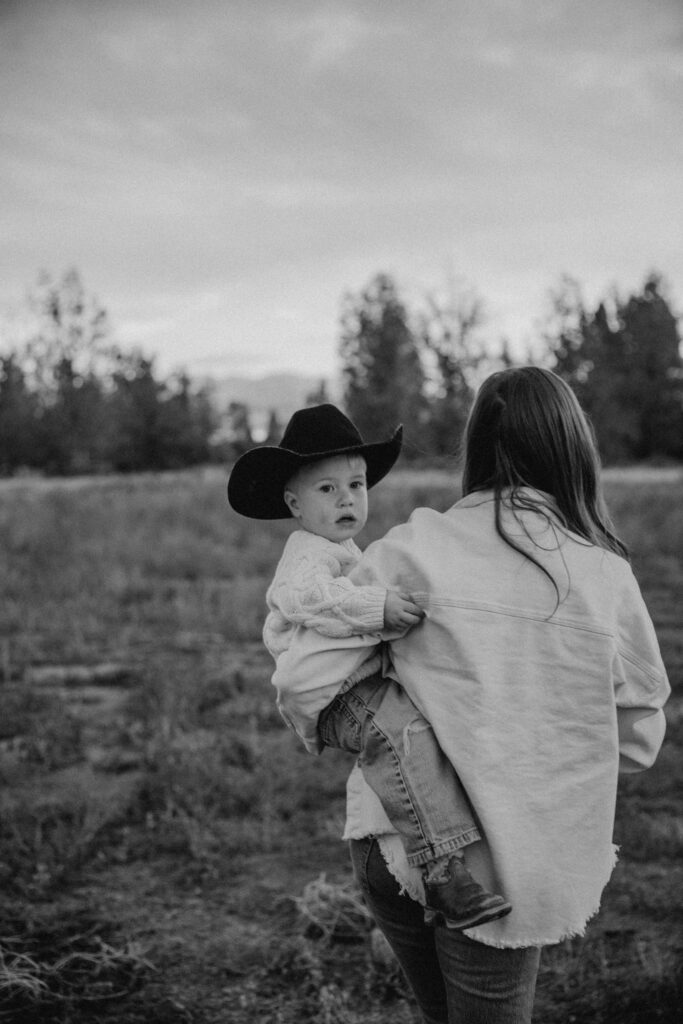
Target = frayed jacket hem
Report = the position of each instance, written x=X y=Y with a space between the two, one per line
x=572 y=933
x=411 y=885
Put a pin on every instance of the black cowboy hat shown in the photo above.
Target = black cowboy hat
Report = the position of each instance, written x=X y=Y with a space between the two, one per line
x=258 y=478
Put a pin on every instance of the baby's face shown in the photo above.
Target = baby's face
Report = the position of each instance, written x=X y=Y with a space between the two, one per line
x=330 y=497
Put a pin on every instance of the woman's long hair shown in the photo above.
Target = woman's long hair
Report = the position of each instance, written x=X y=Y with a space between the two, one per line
x=526 y=429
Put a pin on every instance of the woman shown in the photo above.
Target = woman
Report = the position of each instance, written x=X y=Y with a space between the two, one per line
x=538 y=668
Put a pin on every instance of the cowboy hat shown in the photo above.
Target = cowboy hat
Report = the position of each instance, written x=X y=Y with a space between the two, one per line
x=258 y=478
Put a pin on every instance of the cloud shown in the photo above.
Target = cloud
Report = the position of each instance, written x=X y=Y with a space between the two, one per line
x=273 y=155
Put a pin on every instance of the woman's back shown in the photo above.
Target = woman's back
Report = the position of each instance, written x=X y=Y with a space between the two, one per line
x=536 y=665
x=517 y=675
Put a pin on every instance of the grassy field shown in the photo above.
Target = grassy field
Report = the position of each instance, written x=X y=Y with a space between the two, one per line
x=169 y=853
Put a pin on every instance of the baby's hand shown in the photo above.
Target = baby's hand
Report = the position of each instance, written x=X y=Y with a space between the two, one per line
x=400 y=611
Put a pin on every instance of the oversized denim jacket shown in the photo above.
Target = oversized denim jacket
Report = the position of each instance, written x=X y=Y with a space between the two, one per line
x=538 y=692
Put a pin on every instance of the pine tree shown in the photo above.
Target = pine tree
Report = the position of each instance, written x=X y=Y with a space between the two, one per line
x=652 y=344
x=448 y=332
x=383 y=378
x=19 y=419
x=625 y=367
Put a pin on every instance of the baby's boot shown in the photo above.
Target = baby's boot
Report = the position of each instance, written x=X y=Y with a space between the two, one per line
x=455 y=899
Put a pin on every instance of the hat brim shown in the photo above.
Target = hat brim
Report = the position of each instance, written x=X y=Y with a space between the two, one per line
x=258 y=478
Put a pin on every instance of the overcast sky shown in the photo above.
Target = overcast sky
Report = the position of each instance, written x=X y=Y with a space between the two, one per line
x=221 y=172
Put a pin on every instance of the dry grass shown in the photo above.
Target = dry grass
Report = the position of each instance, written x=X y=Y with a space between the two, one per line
x=53 y=966
x=333 y=911
x=208 y=795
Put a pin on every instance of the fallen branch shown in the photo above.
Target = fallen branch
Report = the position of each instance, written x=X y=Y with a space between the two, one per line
x=107 y=674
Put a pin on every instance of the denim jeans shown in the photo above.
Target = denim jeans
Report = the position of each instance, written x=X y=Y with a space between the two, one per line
x=405 y=766
x=455 y=980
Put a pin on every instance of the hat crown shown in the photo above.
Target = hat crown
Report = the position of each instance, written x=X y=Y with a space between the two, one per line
x=320 y=428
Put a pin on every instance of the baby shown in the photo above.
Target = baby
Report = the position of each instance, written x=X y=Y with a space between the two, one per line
x=320 y=475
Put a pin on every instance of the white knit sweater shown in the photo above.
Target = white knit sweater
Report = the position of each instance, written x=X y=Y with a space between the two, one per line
x=310 y=589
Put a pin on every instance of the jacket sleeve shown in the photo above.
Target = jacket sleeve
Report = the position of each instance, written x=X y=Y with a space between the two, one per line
x=641 y=685
x=390 y=563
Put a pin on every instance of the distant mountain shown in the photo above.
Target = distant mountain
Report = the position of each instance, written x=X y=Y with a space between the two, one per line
x=282 y=392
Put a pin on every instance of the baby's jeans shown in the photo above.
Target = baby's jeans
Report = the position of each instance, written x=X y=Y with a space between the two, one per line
x=405 y=766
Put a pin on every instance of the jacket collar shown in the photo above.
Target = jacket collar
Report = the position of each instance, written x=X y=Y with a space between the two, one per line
x=482 y=497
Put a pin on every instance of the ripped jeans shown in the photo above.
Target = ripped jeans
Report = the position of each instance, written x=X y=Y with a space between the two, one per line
x=405 y=766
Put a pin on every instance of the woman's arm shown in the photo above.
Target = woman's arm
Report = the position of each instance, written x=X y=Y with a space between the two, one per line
x=641 y=733
x=641 y=685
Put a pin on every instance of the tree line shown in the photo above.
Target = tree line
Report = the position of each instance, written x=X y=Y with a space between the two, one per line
x=623 y=360
x=71 y=401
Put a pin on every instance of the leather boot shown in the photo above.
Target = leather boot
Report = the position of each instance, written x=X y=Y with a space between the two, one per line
x=460 y=902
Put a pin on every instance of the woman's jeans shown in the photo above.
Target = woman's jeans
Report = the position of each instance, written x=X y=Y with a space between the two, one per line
x=405 y=766
x=455 y=980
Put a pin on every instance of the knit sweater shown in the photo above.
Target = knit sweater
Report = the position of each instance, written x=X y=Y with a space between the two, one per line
x=310 y=589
